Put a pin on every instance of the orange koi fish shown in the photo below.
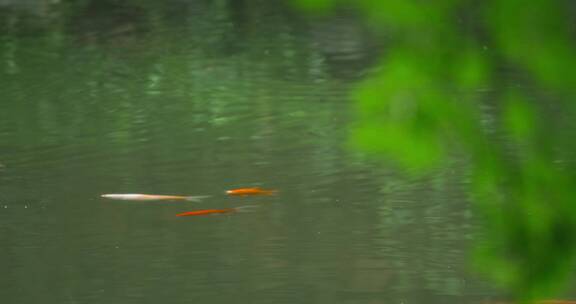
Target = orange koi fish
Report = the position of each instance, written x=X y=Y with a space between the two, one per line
x=250 y=191
x=207 y=211
x=214 y=211
x=153 y=197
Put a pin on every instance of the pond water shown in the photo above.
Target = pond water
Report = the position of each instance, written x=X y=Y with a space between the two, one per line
x=195 y=98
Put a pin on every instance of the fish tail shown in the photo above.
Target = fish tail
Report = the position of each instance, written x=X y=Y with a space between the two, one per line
x=196 y=198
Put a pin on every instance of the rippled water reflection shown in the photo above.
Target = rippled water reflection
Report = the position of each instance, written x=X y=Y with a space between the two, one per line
x=196 y=100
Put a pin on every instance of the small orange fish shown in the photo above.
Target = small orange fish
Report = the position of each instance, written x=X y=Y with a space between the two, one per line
x=215 y=211
x=207 y=211
x=250 y=191
x=152 y=197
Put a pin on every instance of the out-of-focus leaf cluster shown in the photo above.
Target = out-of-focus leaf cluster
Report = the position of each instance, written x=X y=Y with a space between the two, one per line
x=493 y=81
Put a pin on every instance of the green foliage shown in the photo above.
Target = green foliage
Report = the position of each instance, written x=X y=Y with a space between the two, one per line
x=425 y=103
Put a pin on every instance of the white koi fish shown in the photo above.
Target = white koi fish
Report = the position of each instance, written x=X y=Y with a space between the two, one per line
x=153 y=197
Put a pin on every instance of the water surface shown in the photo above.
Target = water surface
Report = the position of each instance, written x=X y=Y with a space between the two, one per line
x=197 y=98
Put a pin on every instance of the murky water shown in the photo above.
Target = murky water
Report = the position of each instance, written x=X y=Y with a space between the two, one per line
x=196 y=98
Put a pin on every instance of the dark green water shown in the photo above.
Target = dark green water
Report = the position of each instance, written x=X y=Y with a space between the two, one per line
x=196 y=98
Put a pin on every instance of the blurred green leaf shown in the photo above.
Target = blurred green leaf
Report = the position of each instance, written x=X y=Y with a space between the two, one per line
x=425 y=103
x=519 y=117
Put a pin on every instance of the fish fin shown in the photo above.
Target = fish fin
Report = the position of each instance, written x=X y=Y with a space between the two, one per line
x=196 y=198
